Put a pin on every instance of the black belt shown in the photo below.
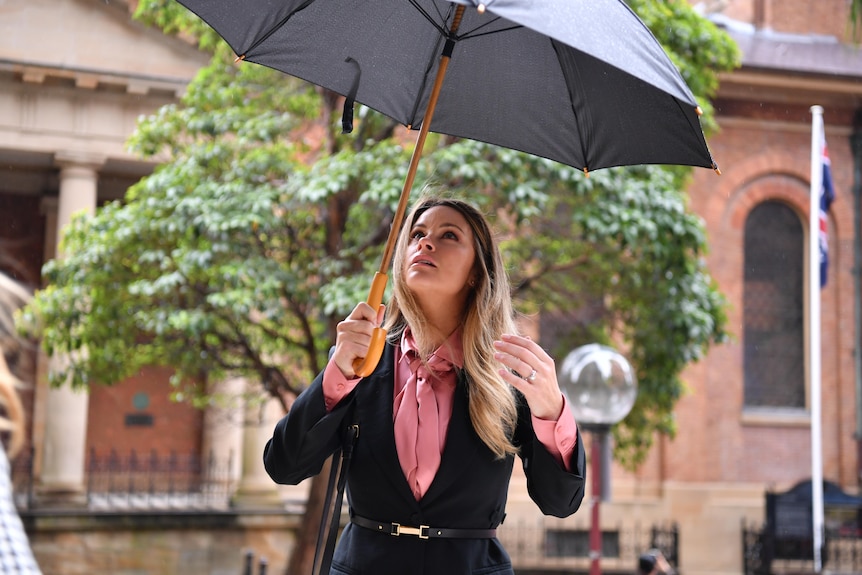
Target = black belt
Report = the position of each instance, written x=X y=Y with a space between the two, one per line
x=423 y=531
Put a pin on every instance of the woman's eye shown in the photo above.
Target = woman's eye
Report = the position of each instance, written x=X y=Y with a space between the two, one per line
x=416 y=235
x=450 y=235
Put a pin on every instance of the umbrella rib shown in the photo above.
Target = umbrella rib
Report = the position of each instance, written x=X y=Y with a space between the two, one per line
x=275 y=28
x=573 y=69
x=418 y=101
x=475 y=34
x=448 y=36
x=697 y=129
x=440 y=27
x=469 y=34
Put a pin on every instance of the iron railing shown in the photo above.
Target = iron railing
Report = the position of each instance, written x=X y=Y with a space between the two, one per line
x=149 y=482
x=764 y=554
x=541 y=546
x=248 y=564
x=22 y=479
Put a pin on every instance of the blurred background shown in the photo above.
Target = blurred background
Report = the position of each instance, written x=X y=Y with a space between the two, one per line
x=160 y=472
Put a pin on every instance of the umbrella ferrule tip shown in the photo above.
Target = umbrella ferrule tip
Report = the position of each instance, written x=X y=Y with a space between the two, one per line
x=481 y=8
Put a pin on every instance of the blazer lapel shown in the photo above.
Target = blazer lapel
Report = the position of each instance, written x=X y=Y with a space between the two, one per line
x=376 y=428
x=461 y=444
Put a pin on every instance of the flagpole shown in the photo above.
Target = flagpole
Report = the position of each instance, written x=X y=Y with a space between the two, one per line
x=814 y=332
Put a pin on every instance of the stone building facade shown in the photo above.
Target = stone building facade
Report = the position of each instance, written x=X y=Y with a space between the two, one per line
x=75 y=75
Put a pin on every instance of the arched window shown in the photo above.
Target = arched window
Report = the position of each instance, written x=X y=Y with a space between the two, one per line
x=774 y=338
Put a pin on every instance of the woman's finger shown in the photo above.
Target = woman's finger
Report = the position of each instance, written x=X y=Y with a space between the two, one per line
x=353 y=336
x=530 y=370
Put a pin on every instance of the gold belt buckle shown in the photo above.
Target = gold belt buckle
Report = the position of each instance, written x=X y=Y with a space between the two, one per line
x=421 y=532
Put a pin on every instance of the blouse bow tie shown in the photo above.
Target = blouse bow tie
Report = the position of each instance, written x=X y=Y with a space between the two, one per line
x=417 y=434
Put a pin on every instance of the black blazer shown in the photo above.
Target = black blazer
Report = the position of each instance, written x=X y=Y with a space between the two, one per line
x=468 y=492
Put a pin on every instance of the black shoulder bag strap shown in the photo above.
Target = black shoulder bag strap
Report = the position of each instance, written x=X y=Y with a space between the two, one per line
x=337 y=476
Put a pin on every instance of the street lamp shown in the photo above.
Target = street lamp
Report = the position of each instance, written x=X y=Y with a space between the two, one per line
x=601 y=387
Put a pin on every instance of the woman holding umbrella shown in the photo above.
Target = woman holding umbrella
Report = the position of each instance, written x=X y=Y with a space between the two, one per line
x=456 y=395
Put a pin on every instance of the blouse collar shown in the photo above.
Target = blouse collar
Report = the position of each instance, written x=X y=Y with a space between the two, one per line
x=451 y=350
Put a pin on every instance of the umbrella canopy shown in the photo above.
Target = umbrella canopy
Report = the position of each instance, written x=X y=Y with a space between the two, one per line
x=582 y=82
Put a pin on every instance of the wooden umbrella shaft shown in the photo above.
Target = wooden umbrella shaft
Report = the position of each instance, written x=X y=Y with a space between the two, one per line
x=365 y=366
x=417 y=150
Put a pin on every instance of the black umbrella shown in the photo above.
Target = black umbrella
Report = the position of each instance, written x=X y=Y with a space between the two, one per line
x=581 y=82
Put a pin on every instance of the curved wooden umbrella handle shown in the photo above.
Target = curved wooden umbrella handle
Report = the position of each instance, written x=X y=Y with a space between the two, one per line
x=364 y=366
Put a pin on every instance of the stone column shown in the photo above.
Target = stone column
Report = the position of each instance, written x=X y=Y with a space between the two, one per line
x=221 y=445
x=256 y=489
x=856 y=149
x=63 y=457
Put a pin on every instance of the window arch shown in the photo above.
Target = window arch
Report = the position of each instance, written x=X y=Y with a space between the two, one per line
x=773 y=308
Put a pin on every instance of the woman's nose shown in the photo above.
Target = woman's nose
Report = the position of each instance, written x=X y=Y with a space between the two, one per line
x=426 y=243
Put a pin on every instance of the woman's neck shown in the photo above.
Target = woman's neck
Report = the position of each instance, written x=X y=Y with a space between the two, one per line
x=440 y=321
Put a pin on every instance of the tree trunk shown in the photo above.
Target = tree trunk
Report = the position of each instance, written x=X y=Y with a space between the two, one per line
x=302 y=559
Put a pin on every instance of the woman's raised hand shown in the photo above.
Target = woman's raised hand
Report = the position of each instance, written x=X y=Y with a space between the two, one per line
x=535 y=374
x=353 y=336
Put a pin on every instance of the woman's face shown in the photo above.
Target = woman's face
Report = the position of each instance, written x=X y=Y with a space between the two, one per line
x=440 y=255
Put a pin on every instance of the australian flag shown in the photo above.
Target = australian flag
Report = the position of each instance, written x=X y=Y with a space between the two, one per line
x=827 y=195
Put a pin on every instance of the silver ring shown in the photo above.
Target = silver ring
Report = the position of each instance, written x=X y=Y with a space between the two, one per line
x=532 y=376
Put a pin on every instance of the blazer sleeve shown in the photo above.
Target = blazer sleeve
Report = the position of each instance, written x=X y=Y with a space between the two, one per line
x=305 y=437
x=555 y=491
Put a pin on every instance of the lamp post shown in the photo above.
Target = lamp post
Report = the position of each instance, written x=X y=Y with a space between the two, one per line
x=601 y=387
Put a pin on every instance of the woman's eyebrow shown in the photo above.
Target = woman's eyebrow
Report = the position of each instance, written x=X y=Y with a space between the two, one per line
x=452 y=225
x=443 y=225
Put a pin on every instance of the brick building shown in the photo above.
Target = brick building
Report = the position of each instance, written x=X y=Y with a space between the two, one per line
x=74 y=75
x=744 y=426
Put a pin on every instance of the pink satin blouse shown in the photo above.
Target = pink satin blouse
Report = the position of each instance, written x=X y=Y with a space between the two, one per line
x=558 y=437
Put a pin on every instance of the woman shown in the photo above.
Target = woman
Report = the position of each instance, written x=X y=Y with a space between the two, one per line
x=15 y=554
x=443 y=414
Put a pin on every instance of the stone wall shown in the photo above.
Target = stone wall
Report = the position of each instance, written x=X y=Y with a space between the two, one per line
x=159 y=543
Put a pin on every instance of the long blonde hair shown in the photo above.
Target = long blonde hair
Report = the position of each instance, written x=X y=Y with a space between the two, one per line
x=488 y=314
x=12 y=296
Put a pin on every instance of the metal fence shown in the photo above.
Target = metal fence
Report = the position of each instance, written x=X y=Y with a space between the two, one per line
x=142 y=482
x=248 y=564
x=164 y=482
x=22 y=479
x=541 y=546
x=765 y=554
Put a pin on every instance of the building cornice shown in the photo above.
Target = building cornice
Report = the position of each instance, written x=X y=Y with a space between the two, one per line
x=94 y=79
x=793 y=69
x=753 y=78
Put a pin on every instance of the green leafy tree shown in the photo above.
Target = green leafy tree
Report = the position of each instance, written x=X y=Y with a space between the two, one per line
x=263 y=226
x=855 y=16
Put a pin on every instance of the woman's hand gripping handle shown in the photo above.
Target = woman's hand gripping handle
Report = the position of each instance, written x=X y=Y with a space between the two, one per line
x=359 y=339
